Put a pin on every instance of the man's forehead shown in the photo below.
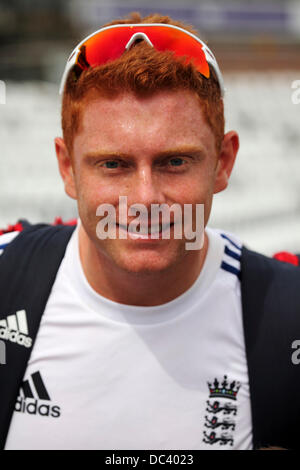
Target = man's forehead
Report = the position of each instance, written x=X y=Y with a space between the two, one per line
x=165 y=111
x=164 y=120
x=130 y=103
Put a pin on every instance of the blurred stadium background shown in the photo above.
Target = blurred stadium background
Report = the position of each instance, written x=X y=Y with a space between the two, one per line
x=257 y=44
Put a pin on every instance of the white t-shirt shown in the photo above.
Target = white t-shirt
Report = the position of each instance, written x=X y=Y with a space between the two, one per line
x=104 y=375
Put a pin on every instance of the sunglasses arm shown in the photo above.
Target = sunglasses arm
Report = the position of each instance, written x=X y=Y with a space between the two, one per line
x=70 y=63
x=218 y=73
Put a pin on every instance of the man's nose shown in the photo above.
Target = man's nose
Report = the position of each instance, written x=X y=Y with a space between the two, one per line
x=147 y=188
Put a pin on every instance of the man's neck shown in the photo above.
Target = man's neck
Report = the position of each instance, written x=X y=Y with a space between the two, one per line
x=140 y=289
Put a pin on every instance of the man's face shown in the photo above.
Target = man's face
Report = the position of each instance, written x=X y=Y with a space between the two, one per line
x=152 y=150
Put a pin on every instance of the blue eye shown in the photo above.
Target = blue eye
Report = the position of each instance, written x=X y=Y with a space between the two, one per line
x=111 y=164
x=176 y=161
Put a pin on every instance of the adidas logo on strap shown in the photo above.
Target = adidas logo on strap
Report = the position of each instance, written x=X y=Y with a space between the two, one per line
x=15 y=329
x=34 y=388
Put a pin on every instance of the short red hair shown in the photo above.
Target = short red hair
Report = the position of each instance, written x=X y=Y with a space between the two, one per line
x=142 y=70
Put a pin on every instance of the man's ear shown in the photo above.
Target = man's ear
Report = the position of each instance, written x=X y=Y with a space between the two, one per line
x=65 y=167
x=229 y=149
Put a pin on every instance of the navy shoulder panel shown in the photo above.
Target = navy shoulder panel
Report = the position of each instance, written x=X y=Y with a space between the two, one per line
x=28 y=268
x=271 y=316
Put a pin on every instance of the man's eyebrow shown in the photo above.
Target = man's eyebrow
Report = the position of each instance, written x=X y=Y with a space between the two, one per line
x=102 y=154
x=181 y=151
x=176 y=151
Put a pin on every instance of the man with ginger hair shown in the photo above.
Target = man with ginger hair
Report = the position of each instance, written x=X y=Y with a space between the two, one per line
x=135 y=341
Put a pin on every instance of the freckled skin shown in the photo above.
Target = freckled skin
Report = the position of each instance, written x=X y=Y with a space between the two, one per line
x=136 y=131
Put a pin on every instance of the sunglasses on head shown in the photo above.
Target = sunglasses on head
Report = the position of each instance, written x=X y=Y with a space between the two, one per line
x=109 y=43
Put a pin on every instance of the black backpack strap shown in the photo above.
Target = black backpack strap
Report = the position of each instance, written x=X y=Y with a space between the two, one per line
x=28 y=268
x=271 y=315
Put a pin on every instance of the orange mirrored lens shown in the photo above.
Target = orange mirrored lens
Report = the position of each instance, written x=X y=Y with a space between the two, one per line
x=168 y=39
x=110 y=44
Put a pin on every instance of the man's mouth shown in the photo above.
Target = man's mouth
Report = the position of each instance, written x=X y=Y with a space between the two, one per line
x=146 y=230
